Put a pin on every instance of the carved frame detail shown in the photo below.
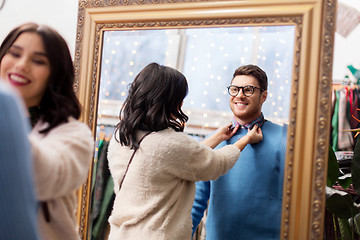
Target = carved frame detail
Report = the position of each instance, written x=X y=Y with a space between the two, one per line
x=323 y=111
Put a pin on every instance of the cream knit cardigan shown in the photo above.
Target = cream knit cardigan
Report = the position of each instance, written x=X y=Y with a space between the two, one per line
x=61 y=163
x=157 y=194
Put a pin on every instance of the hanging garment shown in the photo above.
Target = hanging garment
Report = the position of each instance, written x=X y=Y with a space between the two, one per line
x=355 y=72
x=102 y=191
x=96 y=190
x=354 y=112
x=345 y=139
x=335 y=122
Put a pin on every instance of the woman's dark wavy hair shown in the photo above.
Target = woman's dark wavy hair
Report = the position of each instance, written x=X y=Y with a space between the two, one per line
x=153 y=103
x=59 y=101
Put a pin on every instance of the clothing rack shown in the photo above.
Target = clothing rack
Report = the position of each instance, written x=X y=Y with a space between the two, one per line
x=344 y=81
x=345 y=102
x=102 y=126
x=106 y=125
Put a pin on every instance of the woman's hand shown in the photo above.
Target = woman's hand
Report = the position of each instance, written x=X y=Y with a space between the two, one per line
x=223 y=133
x=227 y=131
x=253 y=136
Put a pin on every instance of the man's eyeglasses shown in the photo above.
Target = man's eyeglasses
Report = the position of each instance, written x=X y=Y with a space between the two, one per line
x=247 y=90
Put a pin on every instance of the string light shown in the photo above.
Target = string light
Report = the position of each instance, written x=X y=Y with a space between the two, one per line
x=231 y=47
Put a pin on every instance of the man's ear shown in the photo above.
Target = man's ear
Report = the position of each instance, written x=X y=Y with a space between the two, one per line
x=263 y=96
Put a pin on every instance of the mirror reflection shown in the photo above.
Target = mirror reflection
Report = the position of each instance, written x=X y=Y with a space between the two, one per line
x=208 y=58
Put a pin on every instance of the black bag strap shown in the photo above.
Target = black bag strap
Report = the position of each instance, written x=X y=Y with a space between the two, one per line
x=132 y=156
x=46 y=211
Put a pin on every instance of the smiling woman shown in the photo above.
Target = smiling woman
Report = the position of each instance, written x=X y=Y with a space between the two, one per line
x=27 y=67
x=35 y=60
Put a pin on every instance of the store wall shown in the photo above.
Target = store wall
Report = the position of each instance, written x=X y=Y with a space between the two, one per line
x=59 y=14
x=62 y=15
x=347 y=49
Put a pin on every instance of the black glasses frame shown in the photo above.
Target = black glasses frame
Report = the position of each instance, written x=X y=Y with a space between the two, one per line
x=242 y=88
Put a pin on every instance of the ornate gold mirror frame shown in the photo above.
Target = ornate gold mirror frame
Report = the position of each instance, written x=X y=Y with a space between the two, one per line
x=310 y=108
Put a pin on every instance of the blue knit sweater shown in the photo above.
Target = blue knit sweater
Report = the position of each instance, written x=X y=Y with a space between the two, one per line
x=246 y=202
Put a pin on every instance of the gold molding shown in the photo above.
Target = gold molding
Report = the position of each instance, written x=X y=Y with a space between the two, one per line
x=323 y=121
x=291 y=135
x=308 y=131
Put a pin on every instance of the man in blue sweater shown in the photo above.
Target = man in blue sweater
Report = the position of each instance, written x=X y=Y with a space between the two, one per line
x=246 y=202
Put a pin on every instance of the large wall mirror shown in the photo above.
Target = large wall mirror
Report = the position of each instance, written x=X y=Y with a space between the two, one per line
x=207 y=40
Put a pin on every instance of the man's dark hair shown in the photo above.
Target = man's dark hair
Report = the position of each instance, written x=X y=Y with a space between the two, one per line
x=255 y=71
